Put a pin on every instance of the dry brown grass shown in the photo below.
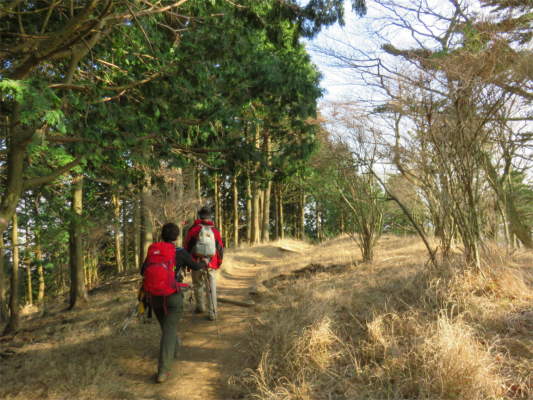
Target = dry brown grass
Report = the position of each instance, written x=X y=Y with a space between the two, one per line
x=78 y=354
x=393 y=329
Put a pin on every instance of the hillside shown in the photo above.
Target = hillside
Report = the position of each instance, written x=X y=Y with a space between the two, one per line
x=326 y=326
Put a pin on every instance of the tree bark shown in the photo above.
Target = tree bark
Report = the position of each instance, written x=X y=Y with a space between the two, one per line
x=266 y=194
x=78 y=291
x=15 y=165
x=294 y=220
x=13 y=324
x=136 y=232
x=266 y=213
x=281 y=224
x=40 y=272
x=28 y=270
x=3 y=303
x=249 y=216
x=256 y=233
x=317 y=221
x=198 y=184
x=147 y=234
x=276 y=211
x=260 y=216
x=322 y=235
x=235 y=212
x=192 y=182
x=116 y=212
x=302 y=214
x=220 y=214
x=217 y=204
x=180 y=200
x=125 y=235
x=513 y=218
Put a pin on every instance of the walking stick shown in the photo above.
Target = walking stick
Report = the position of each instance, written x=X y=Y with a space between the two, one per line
x=213 y=303
x=132 y=315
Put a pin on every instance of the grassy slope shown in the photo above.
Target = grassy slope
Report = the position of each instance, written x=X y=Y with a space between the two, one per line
x=387 y=330
x=392 y=329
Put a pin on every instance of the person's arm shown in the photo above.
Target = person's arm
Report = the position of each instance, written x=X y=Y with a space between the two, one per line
x=220 y=249
x=189 y=262
x=190 y=242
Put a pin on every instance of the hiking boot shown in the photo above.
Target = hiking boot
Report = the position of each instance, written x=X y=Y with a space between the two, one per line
x=177 y=349
x=211 y=317
x=163 y=377
x=199 y=311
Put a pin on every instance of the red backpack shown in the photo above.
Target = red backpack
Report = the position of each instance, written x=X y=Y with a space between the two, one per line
x=159 y=275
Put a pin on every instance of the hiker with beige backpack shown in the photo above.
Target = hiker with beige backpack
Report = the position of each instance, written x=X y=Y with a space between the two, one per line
x=204 y=240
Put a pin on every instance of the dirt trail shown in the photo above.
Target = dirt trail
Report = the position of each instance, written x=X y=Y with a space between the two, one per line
x=205 y=363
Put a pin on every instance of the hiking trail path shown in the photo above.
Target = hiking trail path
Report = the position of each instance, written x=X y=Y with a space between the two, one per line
x=206 y=364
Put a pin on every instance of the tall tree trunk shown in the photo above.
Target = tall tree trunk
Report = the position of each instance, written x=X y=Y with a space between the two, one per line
x=294 y=220
x=322 y=235
x=221 y=209
x=180 y=200
x=40 y=272
x=317 y=221
x=266 y=193
x=341 y=224
x=515 y=222
x=256 y=191
x=85 y=271
x=276 y=212
x=198 y=184
x=255 y=214
x=266 y=213
x=136 y=232
x=249 y=216
x=260 y=215
x=61 y=273
x=235 y=212
x=192 y=191
x=125 y=235
x=302 y=214
x=3 y=303
x=13 y=323
x=15 y=165
x=78 y=291
x=147 y=234
x=28 y=269
x=281 y=224
x=217 y=200
x=116 y=210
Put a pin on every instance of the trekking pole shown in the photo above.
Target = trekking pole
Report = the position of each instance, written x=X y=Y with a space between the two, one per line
x=132 y=315
x=213 y=303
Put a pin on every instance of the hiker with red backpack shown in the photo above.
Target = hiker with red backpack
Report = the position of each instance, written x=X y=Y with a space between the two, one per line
x=204 y=241
x=162 y=271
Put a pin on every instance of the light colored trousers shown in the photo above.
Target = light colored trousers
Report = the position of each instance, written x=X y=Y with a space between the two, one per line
x=200 y=286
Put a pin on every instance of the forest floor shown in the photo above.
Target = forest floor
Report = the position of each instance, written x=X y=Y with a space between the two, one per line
x=325 y=326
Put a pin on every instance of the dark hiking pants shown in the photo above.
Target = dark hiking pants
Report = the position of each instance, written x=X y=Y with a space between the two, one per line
x=169 y=325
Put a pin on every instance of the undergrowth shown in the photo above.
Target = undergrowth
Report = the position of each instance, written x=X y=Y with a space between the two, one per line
x=394 y=329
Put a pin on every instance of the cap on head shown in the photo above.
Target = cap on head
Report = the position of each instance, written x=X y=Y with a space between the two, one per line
x=204 y=213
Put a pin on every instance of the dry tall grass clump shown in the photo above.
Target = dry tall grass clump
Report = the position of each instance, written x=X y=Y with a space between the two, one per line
x=393 y=329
